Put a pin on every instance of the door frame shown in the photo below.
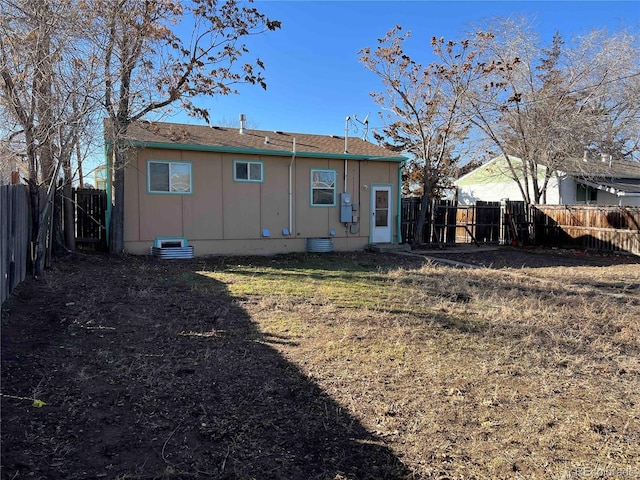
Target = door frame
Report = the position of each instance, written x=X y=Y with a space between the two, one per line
x=372 y=223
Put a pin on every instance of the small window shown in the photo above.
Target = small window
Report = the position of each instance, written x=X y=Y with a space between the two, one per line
x=586 y=194
x=169 y=177
x=323 y=188
x=247 y=171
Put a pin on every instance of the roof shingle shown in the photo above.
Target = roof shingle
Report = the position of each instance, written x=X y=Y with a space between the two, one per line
x=598 y=169
x=265 y=141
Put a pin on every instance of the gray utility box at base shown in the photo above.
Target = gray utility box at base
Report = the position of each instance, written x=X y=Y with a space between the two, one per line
x=346 y=209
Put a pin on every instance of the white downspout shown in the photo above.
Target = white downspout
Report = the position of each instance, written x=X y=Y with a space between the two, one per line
x=345 y=175
x=346 y=150
x=293 y=157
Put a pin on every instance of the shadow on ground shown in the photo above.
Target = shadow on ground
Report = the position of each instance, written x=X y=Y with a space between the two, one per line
x=151 y=372
x=519 y=257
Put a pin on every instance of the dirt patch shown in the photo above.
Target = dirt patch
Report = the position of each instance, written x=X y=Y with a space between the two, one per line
x=121 y=352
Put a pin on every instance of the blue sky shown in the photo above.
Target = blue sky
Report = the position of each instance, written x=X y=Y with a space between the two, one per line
x=313 y=74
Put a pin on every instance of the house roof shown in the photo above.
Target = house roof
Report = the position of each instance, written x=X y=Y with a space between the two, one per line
x=596 y=168
x=262 y=142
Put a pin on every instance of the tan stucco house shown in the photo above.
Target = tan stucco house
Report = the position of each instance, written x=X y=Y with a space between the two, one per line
x=242 y=191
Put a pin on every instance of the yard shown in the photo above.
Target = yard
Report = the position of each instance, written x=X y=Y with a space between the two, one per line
x=330 y=366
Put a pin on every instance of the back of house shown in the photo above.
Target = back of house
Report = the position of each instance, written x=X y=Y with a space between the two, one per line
x=240 y=191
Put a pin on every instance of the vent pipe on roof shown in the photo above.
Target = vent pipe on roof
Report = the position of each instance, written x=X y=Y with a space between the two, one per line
x=242 y=123
x=346 y=134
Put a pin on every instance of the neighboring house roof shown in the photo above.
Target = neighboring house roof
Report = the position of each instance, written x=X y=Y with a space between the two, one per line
x=262 y=142
x=494 y=171
x=618 y=177
x=597 y=168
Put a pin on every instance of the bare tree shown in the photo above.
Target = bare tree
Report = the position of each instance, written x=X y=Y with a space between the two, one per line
x=44 y=94
x=543 y=105
x=77 y=80
x=249 y=123
x=27 y=48
x=149 y=67
x=423 y=105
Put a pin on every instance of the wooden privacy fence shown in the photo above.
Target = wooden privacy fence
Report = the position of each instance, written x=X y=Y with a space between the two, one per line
x=598 y=227
x=449 y=223
x=442 y=211
x=15 y=225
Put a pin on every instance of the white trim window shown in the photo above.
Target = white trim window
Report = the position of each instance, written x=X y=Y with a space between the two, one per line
x=246 y=171
x=323 y=188
x=169 y=177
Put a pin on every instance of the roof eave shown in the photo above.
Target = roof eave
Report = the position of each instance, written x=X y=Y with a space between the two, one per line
x=596 y=176
x=612 y=190
x=257 y=151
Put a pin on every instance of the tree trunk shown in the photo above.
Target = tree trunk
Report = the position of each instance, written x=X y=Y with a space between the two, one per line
x=424 y=203
x=69 y=217
x=116 y=244
x=42 y=235
x=34 y=193
x=79 y=160
x=57 y=220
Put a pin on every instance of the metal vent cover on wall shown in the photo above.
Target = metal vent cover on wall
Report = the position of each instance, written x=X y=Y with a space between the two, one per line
x=172 y=252
x=319 y=245
x=166 y=247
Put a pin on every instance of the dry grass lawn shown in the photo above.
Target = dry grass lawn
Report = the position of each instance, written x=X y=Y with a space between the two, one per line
x=529 y=373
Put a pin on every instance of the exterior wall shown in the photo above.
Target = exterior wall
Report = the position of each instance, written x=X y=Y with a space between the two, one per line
x=469 y=194
x=223 y=216
x=567 y=191
x=492 y=192
x=568 y=196
x=630 y=201
x=493 y=181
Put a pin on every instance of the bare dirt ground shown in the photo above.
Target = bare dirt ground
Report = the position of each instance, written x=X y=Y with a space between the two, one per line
x=107 y=372
x=114 y=348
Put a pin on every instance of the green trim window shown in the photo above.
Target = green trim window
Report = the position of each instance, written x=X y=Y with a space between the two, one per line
x=169 y=177
x=323 y=188
x=586 y=194
x=245 y=171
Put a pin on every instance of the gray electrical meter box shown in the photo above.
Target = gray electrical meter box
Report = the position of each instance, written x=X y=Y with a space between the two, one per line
x=346 y=212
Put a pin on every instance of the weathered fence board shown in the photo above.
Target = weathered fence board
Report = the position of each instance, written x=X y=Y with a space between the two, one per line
x=15 y=214
x=440 y=221
x=448 y=223
x=597 y=227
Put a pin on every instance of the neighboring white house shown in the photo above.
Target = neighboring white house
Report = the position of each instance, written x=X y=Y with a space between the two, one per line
x=12 y=168
x=601 y=182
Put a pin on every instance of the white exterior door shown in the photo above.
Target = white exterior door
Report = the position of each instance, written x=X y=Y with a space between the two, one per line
x=381 y=214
